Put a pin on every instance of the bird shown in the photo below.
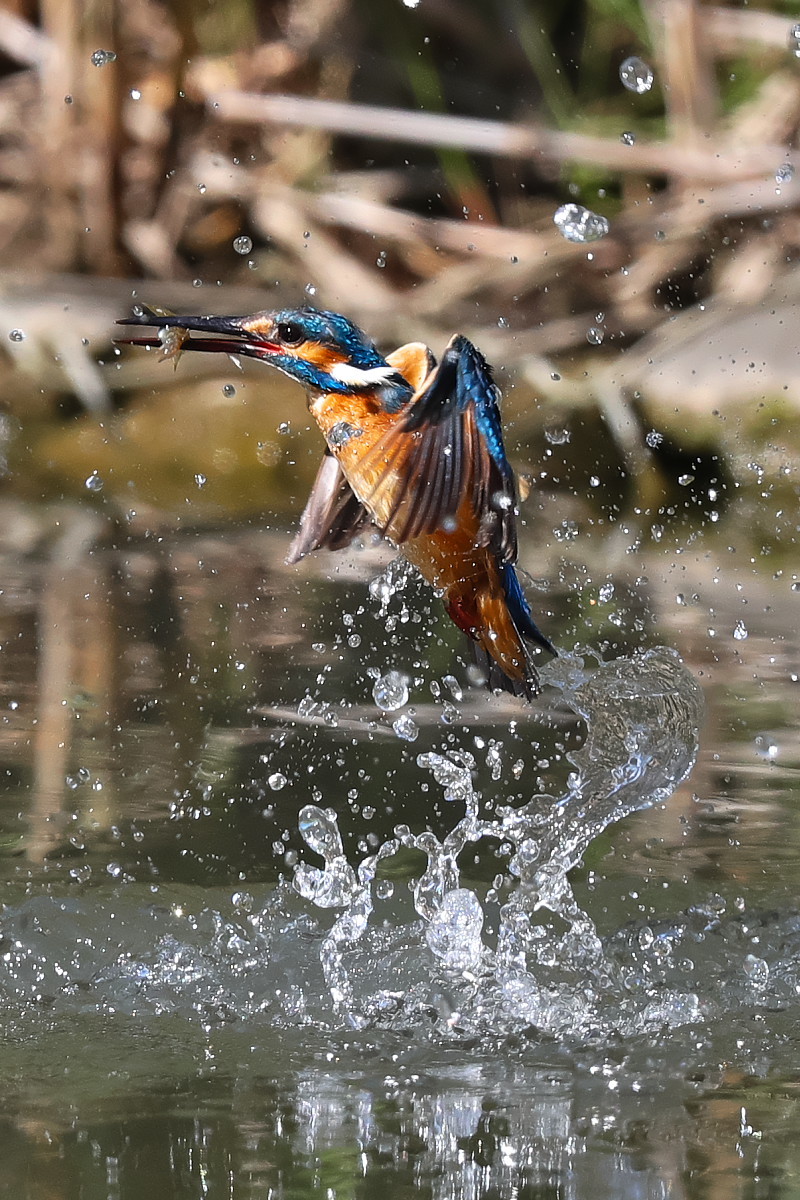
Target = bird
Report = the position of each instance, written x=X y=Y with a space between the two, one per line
x=413 y=448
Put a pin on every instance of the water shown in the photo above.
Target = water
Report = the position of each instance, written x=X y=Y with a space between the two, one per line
x=642 y=718
x=579 y=224
x=636 y=75
x=101 y=58
x=257 y=936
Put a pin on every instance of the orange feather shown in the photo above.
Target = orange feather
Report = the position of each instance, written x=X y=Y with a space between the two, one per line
x=455 y=560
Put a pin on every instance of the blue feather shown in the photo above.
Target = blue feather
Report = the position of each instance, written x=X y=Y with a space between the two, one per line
x=476 y=386
x=333 y=329
x=520 y=610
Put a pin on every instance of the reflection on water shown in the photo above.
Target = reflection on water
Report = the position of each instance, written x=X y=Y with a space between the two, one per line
x=541 y=994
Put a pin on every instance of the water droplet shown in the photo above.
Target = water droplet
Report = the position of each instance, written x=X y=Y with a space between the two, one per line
x=284 y=427
x=794 y=40
x=101 y=57
x=319 y=831
x=595 y=335
x=579 y=224
x=200 y=480
x=795 y=587
x=277 y=781
x=69 y=100
x=567 y=531
x=228 y=391
x=310 y=290
x=454 y=934
x=557 y=437
x=390 y=691
x=605 y=593
x=381 y=589
x=685 y=480
x=380 y=261
x=502 y=323
x=636 y=75
x=135 y=94
x=654 y=438
x=406 y=728
x=594 y=481
x=765 y=746
x=740 y=631
x=243 y=244
x=627 y=138
x=93 y=483
x=757 y=971
x=384 y=889
x=784 y=174
x=16 y=335
x=411 y=3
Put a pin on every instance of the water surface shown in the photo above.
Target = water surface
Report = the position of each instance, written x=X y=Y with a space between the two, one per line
x=572 y=971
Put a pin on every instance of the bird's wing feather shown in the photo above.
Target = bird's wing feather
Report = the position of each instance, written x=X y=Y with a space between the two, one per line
x=445 y=446
x=332 y=517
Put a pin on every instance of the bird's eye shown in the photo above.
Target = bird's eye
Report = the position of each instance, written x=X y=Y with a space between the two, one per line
x=290 y=332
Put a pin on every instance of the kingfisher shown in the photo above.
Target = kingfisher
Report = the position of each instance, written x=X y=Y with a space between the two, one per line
x=413 y=448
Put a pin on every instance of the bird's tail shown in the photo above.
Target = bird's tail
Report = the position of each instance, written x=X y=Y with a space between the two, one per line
x=496 y=616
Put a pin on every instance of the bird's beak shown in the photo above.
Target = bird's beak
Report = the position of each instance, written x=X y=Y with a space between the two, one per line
x=234 y=335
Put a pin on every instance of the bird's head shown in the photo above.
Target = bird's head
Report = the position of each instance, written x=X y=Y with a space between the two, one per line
x=324 y=351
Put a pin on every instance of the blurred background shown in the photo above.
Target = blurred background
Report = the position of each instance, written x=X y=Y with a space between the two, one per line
x=171 y=693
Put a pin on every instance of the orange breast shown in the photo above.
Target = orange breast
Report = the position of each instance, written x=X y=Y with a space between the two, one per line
x=451 y=560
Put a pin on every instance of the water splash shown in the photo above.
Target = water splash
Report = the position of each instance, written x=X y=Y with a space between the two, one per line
x=636 y=75
x=642 y=717
x=579 y=224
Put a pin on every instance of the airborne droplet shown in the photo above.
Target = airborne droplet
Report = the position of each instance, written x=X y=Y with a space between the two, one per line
x=636 y=75
x=390 y=691
x=579 y=224
x=101 y=57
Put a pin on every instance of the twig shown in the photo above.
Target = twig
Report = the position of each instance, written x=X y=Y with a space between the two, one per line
x=495 y=137
x=25 y=44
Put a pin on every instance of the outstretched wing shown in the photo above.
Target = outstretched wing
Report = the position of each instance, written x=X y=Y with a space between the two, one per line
x=332 y=517
x=446 y=445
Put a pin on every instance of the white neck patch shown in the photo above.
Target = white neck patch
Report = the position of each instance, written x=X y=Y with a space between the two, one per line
x=356 y=377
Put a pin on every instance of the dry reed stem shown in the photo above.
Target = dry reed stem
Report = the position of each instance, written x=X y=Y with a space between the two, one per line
x=496 y=137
